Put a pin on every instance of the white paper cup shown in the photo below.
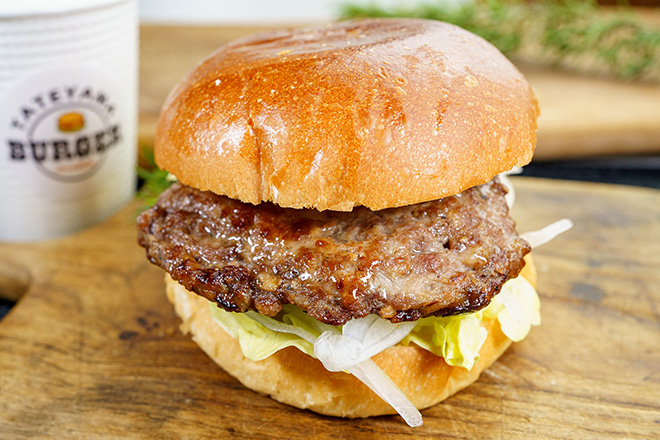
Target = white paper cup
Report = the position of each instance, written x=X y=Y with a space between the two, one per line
x=68 y=114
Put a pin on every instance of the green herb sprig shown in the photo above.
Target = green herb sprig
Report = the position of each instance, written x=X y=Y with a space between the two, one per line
x=574 y=34
x=153 y=180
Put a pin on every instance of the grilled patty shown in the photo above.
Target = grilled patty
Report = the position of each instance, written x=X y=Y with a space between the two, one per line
x=442 y=257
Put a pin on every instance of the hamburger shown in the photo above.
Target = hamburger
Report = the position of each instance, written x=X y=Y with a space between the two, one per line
x=338 y=236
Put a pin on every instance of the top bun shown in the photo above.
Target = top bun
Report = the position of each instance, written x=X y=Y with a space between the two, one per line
x=379 y=113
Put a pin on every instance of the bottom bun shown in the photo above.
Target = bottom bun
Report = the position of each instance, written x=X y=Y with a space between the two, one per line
x=292 y=377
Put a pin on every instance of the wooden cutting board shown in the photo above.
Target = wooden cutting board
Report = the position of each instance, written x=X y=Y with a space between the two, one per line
x=580 y=115
x=92 y=350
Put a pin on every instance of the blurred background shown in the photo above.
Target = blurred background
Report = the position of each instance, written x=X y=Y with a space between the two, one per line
x=594 y=66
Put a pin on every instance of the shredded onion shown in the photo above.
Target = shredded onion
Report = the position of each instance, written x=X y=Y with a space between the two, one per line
x=352 y=351
x=544 y=235
x=510 y=196
x=277 y=326
x=380 y=383
x=541 y=236
x=360 y=340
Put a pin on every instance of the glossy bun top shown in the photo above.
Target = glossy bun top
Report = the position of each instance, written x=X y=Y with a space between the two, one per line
x=379 y=113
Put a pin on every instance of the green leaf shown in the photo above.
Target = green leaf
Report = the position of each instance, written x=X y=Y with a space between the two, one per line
x=574 y=34
x=153 y=180
x=455 y=338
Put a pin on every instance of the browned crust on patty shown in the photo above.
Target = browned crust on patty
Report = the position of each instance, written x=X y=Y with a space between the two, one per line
x=435 y=258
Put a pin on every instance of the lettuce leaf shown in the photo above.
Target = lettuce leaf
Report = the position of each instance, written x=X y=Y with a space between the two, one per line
x=517 y=310
x=256 y=341
x=456 y=338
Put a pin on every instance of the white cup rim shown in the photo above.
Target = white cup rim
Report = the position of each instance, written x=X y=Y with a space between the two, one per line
x=30 y=8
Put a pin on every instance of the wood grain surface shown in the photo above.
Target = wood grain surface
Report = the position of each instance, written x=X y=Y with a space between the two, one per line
x=581 y=116
x=92 y=350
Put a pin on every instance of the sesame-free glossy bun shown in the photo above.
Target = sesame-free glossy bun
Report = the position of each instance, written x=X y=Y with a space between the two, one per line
x=299 y=380
x=380 y=113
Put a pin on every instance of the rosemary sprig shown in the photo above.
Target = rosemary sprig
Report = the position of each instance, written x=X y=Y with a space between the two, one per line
x=574 y=34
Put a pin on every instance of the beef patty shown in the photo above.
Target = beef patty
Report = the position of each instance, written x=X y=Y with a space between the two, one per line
x=435 y=258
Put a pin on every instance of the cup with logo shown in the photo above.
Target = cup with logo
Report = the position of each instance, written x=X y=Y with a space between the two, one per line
x=68 y=114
